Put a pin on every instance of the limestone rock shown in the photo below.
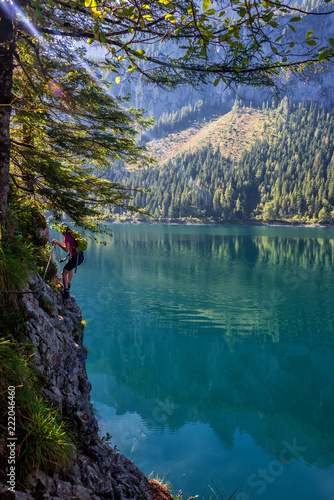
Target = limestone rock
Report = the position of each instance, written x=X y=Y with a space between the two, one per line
x=97 y=472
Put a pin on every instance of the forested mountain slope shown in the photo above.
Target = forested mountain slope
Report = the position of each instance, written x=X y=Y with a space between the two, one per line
x=276 y=163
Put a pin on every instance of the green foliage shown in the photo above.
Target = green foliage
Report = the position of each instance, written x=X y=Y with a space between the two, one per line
x=16 y=260
x=23 y=244
x=46 y=443
x=65 y=125
x=242 y=54
x=287 y=175
x=126 y=31
x=42 y=440
x=66 y=130
x=13 y=316
x=107 y=440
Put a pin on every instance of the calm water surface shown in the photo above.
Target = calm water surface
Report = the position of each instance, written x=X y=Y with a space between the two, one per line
x=211 y=355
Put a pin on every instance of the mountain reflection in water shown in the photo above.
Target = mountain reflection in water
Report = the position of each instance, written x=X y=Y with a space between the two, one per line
x=221 y=330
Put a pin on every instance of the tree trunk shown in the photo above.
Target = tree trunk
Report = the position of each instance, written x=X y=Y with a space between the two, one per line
x=6 y=79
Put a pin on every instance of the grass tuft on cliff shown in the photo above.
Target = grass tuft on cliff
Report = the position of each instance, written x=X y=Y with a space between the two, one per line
x=16 y=259
x=23 y=245
x=43 y=442
x=23 y=248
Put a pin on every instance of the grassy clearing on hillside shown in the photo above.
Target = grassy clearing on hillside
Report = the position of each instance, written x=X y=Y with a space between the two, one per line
x=232 y=132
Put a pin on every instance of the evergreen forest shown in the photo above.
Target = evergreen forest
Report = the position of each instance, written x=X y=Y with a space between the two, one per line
x=287 y=174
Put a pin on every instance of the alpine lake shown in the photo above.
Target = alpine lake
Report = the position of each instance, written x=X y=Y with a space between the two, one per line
x=211 y=355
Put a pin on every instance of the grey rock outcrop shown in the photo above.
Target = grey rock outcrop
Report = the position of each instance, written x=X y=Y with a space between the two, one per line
x=97 y=472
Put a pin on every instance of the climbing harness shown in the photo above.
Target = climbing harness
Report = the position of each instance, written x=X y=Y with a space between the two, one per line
x=79 y=255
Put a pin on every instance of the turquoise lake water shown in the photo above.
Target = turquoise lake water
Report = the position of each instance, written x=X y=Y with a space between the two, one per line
x=211 y=355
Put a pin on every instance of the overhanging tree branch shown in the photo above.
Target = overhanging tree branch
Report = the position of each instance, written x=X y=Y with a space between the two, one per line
x=233 y=42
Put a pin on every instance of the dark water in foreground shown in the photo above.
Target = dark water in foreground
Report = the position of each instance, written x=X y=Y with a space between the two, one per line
x=211 y=355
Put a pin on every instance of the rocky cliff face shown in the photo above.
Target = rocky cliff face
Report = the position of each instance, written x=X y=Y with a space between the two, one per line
x=97 y=472
x=315 y=84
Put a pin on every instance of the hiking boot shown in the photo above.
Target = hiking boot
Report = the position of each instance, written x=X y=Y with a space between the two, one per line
x=66 y=294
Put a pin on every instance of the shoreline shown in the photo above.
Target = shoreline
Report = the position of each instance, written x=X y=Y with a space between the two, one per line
x=264 y=224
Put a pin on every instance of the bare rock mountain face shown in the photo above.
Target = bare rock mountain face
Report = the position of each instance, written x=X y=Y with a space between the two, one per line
x=315 y=84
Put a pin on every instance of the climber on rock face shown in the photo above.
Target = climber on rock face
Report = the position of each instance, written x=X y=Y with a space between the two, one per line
x=69 y=245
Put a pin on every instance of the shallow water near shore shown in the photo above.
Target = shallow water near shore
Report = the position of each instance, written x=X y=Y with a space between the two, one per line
x=211 y=353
